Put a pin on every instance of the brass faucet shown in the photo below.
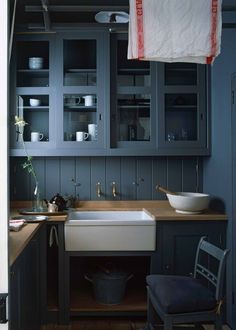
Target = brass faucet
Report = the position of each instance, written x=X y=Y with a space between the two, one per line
x=98 y=188
x=114 y=192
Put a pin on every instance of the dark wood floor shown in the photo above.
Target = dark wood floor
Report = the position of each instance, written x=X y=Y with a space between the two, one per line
x=110 y=324
x=99 y=324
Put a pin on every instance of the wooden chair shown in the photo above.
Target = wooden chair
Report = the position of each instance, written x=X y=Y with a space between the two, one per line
x=183 y=299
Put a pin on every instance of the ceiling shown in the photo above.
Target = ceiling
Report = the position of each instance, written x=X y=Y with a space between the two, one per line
x=47 y=15
x=50 y=14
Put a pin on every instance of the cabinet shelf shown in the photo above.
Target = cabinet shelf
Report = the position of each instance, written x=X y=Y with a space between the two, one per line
x=181 y=107
x=82 y=300
x=134 y=106
x=80 y=108
x=133 y=71
x=80 y=70
x=38 y=108
x=34 y=71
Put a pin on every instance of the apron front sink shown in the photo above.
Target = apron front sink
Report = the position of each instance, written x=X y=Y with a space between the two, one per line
x=110 y=231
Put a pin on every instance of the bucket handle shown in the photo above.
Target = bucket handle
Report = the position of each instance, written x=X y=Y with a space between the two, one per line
x=129 y=277
x=86 y=276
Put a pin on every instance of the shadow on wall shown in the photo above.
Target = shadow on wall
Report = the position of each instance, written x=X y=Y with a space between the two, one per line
x=217 y=204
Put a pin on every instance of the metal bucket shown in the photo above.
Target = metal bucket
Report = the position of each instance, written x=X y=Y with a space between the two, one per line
x=109 y=287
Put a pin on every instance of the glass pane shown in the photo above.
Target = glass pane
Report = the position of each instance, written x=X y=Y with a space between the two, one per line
x=35 y=111
x=131 y=72
x=133 y=117
x=181 y=117
x=80 y=63
x=80 y=117
x=180 y=74
x=32 y=64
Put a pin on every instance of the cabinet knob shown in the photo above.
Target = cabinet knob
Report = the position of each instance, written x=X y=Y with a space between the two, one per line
x=167 y=267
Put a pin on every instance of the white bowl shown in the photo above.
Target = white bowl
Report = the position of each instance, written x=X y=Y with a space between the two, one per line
x=189 y=203
x=35 y=62
x=34 y=102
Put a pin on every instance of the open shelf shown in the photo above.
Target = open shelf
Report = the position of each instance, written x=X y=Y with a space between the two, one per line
x=83 y=300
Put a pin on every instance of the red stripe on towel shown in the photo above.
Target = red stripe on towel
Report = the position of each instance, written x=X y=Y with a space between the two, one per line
x=140 y=36
x=214 y=14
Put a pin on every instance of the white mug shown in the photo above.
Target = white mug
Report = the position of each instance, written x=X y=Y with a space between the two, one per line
x=93 y=131
x=36 y=136
x=88 y=100
x=81 y=136
x=34 y=102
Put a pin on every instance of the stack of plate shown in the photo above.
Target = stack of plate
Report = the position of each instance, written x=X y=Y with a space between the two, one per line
x=35 y=62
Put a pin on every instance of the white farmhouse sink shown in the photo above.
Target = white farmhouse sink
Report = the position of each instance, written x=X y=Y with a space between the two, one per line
x=110 y=231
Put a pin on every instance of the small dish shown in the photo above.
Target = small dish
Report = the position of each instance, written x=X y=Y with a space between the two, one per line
x=31 y=218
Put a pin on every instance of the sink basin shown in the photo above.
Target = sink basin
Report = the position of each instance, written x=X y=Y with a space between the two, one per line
x=110 y=231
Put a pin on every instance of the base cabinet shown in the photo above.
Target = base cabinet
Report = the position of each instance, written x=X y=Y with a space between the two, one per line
x=25 y=288
x=177 y=244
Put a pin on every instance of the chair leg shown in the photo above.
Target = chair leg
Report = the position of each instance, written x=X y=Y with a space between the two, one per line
x=150 y=313
x=168 y=324
x=218 y=323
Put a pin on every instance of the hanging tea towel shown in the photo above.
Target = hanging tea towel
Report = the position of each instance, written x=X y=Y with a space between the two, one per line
x=175 y=30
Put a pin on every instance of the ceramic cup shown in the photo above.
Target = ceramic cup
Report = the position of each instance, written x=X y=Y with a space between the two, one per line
x=88 y=100
x=93 y=131
x=81 y=136
x=36 y=136
x=34 y=102
x=72 y=100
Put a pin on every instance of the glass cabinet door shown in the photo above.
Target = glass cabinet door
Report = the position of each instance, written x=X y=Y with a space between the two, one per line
x=33 y=93
x=80 y=117
x=83 y=89
x=35 y=111
x=32 y=62
x=80 y=62
x=131 y=112
x=182 y=116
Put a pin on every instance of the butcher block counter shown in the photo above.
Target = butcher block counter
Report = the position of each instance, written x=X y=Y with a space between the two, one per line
x=160 y=210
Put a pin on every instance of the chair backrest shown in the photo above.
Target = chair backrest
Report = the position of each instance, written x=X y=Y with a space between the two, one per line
x=204 y=269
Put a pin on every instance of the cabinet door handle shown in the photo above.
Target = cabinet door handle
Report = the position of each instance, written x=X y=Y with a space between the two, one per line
x=100 y=116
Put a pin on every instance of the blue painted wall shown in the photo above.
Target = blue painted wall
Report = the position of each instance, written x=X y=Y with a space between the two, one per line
x=218 y=171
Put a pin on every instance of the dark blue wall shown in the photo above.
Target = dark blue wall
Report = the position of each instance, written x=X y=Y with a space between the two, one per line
x=218 y=171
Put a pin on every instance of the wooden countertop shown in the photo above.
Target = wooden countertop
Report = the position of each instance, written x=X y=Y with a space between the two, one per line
x=160 y=210
x=19 y=239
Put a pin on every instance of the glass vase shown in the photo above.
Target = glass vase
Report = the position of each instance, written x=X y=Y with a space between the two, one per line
x=37 y=202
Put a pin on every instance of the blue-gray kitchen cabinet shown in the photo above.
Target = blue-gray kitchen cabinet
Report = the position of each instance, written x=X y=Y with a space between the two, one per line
x=177 y=243
x=157 y=108
x=35 y=81
x=183 y=109
x=25 y=287
x=124 y=107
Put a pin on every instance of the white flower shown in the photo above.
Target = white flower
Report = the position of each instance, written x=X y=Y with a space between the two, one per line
x=20 y=122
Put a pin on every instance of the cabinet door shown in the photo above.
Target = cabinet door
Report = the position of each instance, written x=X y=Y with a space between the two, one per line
x=132 y=100
x=32 y=85
x=24 y=289
x=182 y=113
x=82 y=91
x=179 y=243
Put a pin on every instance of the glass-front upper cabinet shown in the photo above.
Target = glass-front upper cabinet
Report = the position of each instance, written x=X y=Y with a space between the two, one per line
x=182 y=113
x=133 y=99
x=31 y=84
x=84 y=86
x=32 y=63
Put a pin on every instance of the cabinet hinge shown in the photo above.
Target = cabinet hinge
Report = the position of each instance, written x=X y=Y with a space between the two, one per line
x=3 y=307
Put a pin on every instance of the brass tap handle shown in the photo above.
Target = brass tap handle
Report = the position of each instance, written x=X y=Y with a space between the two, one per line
x=114 y=192
x=98 y=189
